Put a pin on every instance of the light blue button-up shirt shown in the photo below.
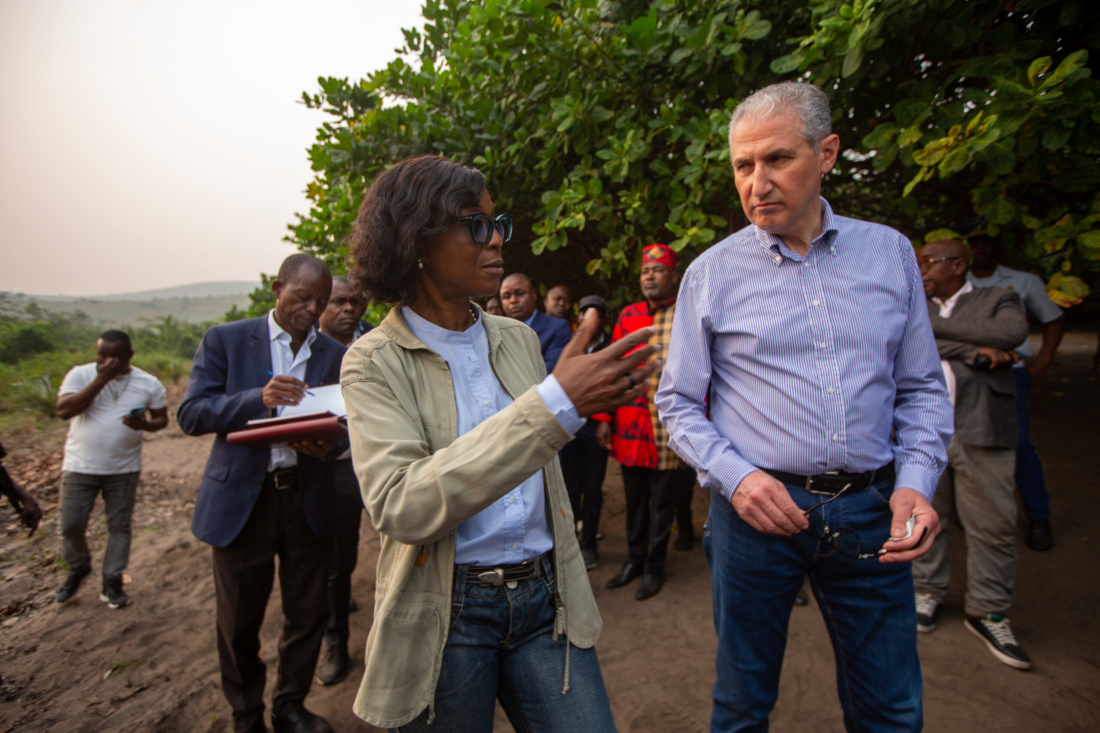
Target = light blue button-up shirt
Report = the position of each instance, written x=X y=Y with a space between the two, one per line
x=515 y=527
x=823 y=362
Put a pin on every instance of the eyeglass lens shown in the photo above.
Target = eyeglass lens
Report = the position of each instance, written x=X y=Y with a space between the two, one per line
x=482 y=225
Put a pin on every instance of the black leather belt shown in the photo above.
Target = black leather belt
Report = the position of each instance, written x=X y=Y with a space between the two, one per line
x=284 y=478
x=501 y=574
x=833 y=482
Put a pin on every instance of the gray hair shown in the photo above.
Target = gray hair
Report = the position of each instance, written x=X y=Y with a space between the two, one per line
x=804 y=99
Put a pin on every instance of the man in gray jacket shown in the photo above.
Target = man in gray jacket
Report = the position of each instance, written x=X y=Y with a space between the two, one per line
x=976 y=331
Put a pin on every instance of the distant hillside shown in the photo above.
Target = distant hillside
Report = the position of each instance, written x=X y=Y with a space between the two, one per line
x=195 y=290
x=137 y=312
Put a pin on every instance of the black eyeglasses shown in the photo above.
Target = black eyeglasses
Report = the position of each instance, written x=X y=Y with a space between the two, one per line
x=844 y=541
x=482 y=226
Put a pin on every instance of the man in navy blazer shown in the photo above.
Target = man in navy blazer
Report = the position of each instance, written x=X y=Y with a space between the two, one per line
x=258 y=503
x=518 y=296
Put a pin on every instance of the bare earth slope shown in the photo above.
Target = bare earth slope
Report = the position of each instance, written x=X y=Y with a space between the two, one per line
x=153 y=666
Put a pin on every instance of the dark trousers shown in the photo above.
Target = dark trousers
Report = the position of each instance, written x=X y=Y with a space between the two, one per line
x=652 y=499
x=244 y=572
x=1029 y=468
x=583 y=466
x=345 y=552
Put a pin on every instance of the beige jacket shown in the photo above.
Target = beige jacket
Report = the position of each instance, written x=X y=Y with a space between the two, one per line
x=420 y=480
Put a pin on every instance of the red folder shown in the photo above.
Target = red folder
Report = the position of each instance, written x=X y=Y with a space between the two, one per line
x=262 y=433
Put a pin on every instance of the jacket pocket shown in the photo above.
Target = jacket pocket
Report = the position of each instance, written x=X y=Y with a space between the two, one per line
x=217 y=471
x=401 y=656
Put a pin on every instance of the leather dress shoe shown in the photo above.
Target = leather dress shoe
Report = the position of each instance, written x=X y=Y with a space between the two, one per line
x=651 y=585
x=334 y=668
x=629 y=572
x=1039 y=536
x=299 y=720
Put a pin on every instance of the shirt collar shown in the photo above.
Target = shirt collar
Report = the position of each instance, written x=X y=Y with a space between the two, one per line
x=428 y=330
x=653 y=309
x=276 y=332
x=777 y=250
x=533 y=314
x=950 y=302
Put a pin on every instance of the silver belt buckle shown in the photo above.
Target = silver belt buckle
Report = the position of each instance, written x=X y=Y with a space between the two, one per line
x=494 y=576
x=810 y=483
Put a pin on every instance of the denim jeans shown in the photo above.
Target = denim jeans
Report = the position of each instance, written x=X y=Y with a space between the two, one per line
x=868 y=609
x=500 y=646
x=78 y=493
x=1029 y=468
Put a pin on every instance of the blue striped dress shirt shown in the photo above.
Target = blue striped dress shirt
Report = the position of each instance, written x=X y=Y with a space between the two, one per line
x=823 y=362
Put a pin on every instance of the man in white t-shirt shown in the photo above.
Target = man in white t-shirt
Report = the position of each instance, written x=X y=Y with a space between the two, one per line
x=106 y=403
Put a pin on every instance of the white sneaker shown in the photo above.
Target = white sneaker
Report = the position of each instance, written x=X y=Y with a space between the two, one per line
x=928 y=608
x=995 y=631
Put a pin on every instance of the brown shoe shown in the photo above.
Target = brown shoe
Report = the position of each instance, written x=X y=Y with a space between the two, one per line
x=334 y=668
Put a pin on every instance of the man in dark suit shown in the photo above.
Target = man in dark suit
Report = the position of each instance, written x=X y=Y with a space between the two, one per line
x=256 y=504
x=518 y=296
x=976 y=331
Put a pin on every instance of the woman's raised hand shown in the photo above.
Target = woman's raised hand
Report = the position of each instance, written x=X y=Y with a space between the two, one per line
x=606 y=379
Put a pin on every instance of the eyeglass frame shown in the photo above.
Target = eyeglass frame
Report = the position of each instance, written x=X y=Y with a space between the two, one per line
x=829 y=536
x=921 y=264
x=498 y=224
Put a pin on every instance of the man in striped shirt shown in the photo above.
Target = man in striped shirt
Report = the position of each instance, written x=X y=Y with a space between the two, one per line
x=825 y=429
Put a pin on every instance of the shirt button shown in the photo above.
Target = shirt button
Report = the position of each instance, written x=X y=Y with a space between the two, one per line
x=835 y=437
x=515 y=546
x=824 y=346
x=830 y=390
x=805 y=264
x=511 y=500
x=817 y=303
x=485 y=402
x=778 y=259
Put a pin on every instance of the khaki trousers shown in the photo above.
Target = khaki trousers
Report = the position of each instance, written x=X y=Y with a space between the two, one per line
x=977 y=492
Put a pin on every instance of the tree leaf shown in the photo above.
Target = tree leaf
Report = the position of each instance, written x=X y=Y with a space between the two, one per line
x=786 y=64
x=1038 y=67
x=852 y=61
x=1067 y=290
x=1088 y=244
x=880 y=136
x=940 y=235
x=1055 y=137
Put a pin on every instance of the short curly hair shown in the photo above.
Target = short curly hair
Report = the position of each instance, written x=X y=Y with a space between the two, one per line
x=405 y=207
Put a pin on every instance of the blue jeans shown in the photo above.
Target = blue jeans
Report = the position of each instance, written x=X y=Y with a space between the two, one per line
x=501 y=646
x=868 y=609
x=1029 y=468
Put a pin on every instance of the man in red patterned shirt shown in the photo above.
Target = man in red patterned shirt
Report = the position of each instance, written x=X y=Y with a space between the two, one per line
x=657 y=483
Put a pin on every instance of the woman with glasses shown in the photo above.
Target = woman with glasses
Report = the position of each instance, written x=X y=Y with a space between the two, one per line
x=455 y=427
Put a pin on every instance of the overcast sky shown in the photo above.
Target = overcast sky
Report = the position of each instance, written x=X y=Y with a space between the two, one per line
x=153 y=143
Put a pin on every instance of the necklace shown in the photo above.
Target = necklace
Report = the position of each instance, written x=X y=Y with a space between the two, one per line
x=115 y=396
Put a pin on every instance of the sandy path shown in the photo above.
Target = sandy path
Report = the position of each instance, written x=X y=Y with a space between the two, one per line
x=657 y=656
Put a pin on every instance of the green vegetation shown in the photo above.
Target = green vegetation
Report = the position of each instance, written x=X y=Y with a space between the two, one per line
x=602 y=125
x=37 y=349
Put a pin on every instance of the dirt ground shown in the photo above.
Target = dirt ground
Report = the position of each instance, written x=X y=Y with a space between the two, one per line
x=153 y=666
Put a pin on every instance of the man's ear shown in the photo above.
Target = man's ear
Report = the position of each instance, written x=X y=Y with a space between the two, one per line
x=276 y=288
x=830 y=150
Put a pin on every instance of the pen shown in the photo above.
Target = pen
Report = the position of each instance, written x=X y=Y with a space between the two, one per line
x=272 y=374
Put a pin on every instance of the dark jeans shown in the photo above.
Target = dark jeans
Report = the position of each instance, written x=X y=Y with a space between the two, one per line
x=78 y=493
x=244 y=572
x=345 y=551
x=867 y=605
x=1029 y=468
x=501 y=646
x=652 y=499
x=584 y=465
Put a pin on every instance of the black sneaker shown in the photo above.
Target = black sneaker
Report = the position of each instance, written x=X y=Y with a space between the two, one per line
x=72 y=583
x=112 y=593
x=1039 y=537
x=590 y=559
x=997 y=635
x=928 y=608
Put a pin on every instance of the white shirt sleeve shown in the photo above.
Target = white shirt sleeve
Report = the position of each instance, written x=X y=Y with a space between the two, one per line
x=77 y=379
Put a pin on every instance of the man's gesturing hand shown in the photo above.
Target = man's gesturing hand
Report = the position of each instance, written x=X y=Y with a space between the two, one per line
x=764 y=502
x=602 y=381
x=283 y=390
x=907 y=503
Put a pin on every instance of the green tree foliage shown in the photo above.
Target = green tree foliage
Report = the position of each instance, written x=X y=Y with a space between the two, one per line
x=602 y=125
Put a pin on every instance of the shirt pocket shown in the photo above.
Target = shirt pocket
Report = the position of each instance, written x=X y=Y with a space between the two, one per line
x=401 y=653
